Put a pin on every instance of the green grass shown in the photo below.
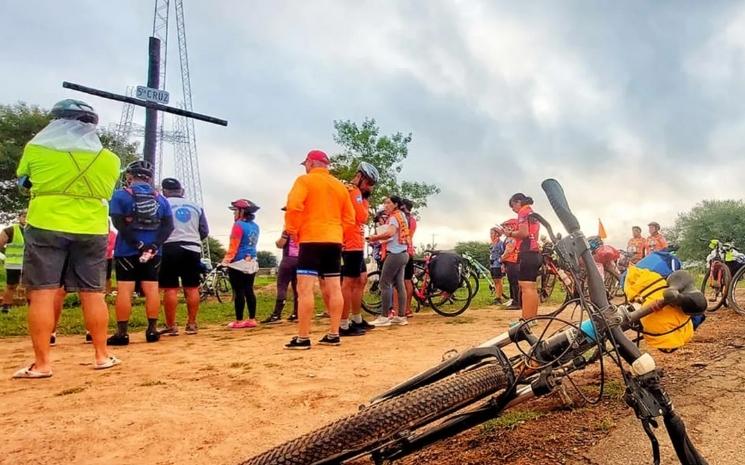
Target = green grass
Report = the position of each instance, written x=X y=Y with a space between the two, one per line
x=510 y=420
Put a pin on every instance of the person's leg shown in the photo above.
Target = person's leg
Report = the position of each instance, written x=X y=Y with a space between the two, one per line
x=285 y=275
x=294 y=292
x=387 y=275
x=125 y=289
x=529 y=296
x=250 y=296
x=109 y=271
x=96 y=315
x=191 y=294
x=239 y=296
x=409 y=285
x=324 y=293
x=335 y=303
x=348 y=285
x=400 y=287
x=358 y=289
x=152 y=305
x=305 y=303
x=9 y=294
x=41 y=325
x=170 y=302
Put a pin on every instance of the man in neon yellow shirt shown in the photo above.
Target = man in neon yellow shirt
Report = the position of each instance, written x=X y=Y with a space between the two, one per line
x=71 y=177
x=12 y=239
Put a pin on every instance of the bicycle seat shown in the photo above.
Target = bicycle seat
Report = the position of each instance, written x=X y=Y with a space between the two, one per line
x=682 y=293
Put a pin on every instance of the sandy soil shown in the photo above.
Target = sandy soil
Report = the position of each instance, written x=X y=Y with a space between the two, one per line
x=222 y=396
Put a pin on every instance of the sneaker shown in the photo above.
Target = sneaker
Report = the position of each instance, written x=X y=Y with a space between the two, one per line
x=364 y=325
x=88 y=338
x=513 y=307
x=292 y=317
x=399 y=320
x=53 y=339
x=409 y=314
x=381 y=321
x=237 y=324
x=295 y=344
x=169 y=331
x=509 y=302
x=497 y=301
x=117 y=340
x=351 y=331
x=272 y=319
x=191 y=328
x=330 y=341
x=152 y=336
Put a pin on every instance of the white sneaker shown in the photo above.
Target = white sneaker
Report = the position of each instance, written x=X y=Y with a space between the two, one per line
x=508 y=303
x=399 y=320
x=381 y=321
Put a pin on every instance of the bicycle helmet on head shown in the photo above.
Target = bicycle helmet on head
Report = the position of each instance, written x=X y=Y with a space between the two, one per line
x=595 y=242
x=243 y=204
x=140 y=169
x=369 y=171
x=74 y=109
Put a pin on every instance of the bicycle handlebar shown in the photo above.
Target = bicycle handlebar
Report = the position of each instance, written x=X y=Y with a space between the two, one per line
x=558 y=200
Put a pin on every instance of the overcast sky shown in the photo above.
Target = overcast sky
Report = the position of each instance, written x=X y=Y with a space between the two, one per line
x=636 y=107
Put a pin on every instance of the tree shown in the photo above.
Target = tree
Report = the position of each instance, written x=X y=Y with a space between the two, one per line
x=710 y=219
x=266 y=259
x=127 y=151
x=19 y=123
x=477 y=249
x=217 y=251
x=387 y=153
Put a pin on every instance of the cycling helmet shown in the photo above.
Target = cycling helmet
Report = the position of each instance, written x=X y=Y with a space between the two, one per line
x=595 y=242
x=243 y=204
x=74 y=109
x=369 y=171
x=140 y=169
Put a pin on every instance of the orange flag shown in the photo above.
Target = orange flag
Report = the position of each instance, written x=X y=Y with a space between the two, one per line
x=601 y=230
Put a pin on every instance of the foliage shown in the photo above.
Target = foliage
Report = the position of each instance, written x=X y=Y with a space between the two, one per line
x=217 y=251
x=19 y=123
x=387 y=153
x=710 y=219
x=127 y=151
x=266 y=259
x=479 y=250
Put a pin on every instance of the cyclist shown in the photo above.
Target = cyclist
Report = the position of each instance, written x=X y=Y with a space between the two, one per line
x=241 y=262
x=496 y=249
x=510 y=263
x=286 y=275
x=182 y=257
x=396 y=250
x=144 y=220
x=656 y=242
x=529 y=253
x=71 y=177
x=12 y=239
x=380 y=220
x=353 y=270
x=408 y=207
x=636 y=245
x=318 y=214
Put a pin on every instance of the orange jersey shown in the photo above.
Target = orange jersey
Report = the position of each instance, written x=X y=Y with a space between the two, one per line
x=318 y=208
x=637 y=246
x=511 y=248
x=354 y=238
x=656 y=243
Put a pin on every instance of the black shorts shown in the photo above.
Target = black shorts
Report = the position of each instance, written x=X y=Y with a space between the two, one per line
x=322 y=259
x=129 y=269
x=530 y=263
x=53 y=259
x=179 y=263
x=496 y=273
x=353 y=264
x=12 y=277
x=409 y=269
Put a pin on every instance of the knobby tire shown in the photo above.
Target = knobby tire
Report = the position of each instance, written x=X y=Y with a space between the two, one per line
x=367 y=429
x=736 y=299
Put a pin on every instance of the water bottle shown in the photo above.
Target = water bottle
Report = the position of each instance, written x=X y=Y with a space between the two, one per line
x=146 y=256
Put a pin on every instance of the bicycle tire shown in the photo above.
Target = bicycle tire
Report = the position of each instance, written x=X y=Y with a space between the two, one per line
x=222 y=288
x=437 y=301
x=736 y=298
x=365 y=430
x=474 y=280
x=548 y=283
x=719 y=297
x=371 y=298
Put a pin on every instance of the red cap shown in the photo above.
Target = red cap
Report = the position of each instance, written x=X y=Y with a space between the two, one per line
x=317 y=155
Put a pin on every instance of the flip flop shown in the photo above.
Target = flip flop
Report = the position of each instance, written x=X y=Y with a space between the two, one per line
x=110 y=362
x=30 y=373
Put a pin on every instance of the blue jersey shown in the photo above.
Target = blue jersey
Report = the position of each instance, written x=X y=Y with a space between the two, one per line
x=122 y=204
x=495 y=254
x=243 y=240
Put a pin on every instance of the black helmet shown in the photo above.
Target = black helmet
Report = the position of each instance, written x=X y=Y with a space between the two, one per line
x=75 y=109
x=140 y=169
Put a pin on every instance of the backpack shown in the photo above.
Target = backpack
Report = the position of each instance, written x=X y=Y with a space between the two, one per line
x=444 y=271
x=145 y=210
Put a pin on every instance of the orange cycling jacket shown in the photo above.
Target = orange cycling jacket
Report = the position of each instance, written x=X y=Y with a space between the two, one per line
x=318 y=208
x=354 y=238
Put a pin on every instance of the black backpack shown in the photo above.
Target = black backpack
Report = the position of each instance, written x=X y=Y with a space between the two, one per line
x=145 y=210
x=444 y=270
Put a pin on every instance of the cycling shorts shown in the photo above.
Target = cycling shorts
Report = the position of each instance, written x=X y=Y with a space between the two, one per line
x=179 y=265
x=129 y=269
x=530 y=262
x=496 y=272
x=353 y=264
x=322 y=259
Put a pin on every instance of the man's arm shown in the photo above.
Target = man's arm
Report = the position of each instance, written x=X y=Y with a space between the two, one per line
x=166 y=223
x=125 y=231
x=295 y=207
x=204 y=229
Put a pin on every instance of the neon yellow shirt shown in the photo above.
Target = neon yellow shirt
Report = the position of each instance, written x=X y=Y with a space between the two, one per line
x=70 y=190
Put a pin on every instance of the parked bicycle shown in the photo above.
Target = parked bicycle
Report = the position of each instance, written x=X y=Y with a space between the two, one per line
x=425 y=292
x=470 y=388
x=718 y=275
x=214 y=282
x=551 y=273
x=474 y=271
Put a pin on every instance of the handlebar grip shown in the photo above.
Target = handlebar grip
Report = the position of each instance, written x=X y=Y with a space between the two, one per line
x=558 y=200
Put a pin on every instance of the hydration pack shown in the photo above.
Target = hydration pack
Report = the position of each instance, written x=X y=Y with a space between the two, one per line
x=444 y=270
x=145 y=209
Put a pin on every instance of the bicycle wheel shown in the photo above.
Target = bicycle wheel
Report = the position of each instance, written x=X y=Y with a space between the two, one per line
x=222 y=288
x=715 y=283
x=736 y=297
x=371 y=298
x=363 y=432
x=452 y=304
x=473 y=280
